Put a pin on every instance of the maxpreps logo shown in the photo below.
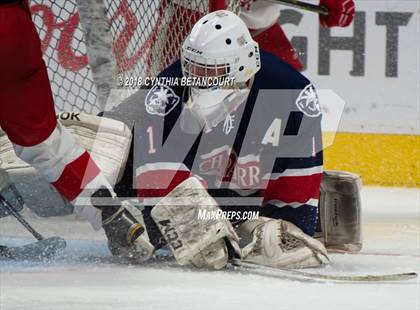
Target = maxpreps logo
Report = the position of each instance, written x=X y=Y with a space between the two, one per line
x=308 y=102
x=161 y=100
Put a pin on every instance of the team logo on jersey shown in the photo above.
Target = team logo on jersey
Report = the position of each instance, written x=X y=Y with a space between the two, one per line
x=242 y=173
x=308 y=102
x=161 y=100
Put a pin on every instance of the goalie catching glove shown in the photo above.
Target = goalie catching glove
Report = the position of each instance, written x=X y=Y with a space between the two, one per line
x=280 y=244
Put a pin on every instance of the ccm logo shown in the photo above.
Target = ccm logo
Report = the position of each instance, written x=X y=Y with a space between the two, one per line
x=171 y=235
x=194 y=50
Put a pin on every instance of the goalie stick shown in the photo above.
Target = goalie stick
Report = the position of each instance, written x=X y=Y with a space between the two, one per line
x=44 y=248
x=317 y=277
x=164 y=257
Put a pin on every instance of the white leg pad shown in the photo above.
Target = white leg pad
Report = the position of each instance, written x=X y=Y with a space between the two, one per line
x=193 y=240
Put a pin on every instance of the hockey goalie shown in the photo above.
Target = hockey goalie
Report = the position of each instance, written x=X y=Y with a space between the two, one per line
x=205 y=155
x=229 y=137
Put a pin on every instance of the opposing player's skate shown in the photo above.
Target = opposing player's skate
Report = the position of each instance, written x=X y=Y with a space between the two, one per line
x=125 y=234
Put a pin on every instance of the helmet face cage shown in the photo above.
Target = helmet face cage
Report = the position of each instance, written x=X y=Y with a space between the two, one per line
x=209 y=72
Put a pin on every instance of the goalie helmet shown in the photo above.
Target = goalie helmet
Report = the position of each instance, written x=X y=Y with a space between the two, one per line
x=220 y=43
x=220 y=51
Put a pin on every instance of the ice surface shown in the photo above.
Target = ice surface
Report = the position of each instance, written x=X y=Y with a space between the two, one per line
x=85 y=277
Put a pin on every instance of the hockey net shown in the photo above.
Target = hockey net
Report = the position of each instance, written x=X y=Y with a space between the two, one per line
x=145 y=38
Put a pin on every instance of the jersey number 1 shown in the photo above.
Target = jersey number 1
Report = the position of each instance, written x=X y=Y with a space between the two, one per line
x=152 y=149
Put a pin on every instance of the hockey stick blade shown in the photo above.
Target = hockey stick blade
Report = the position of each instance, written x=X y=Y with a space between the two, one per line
x=301 y=275
x=40 y=250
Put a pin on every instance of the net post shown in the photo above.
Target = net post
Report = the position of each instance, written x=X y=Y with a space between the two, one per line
x=99 y=42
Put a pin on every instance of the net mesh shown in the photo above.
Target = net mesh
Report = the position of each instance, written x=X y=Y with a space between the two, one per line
x=146 y=36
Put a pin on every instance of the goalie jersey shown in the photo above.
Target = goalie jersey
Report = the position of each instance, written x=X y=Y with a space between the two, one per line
x=265 y=156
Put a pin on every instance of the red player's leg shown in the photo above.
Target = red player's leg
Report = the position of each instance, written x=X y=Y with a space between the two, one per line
x=274 y=41
x=26 y=105
x=27 y=112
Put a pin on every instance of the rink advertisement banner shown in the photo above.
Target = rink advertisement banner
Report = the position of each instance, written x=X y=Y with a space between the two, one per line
x=373 y=64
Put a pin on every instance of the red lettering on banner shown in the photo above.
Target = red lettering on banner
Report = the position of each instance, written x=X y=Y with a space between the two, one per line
x=125 y=60
x=66 y=55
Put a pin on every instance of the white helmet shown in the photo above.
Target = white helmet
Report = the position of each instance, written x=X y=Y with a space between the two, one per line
x=220 y=48
x=221 y=40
